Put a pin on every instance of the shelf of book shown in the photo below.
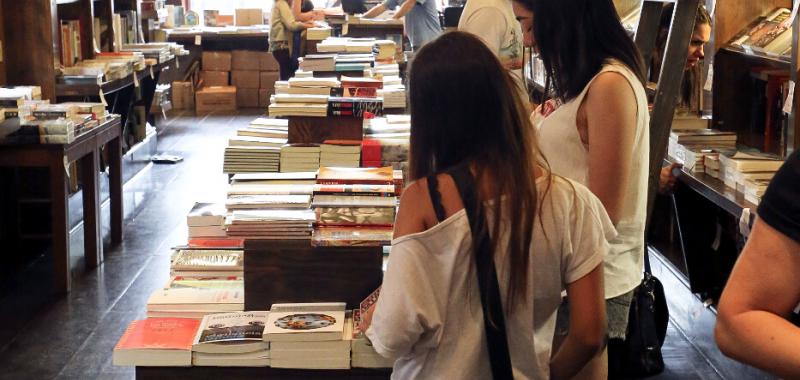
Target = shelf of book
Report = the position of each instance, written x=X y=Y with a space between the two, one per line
x=110 y=87
x=263 y=373
x=716 y=192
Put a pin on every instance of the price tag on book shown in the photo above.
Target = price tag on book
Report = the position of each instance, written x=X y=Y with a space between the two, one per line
x=709 y=78
x=198 y=39
x=789 y=102
x=103 y=98
x=135 y=80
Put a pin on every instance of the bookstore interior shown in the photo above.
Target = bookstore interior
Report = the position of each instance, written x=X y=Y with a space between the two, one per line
x=272 y=189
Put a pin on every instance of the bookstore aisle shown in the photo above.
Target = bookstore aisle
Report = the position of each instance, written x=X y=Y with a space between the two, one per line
x=72 y=337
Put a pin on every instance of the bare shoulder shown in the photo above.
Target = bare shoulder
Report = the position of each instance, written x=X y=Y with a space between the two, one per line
x=411 y=216
x=610 y=86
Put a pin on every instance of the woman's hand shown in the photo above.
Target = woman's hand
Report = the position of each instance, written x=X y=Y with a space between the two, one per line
x=666 y=180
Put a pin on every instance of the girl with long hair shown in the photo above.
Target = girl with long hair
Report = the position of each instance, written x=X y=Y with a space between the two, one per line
x=598 y=135
x=547 y=233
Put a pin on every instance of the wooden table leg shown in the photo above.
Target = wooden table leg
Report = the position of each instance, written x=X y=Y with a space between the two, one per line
x=59 y=207
x=115 y=188
x=92 y=233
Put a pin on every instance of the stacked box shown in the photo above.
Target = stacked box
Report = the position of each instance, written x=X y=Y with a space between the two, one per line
x=246 y=77
x=217 y=60
x=182 y=95
x=214 y=78
x=249 y=16
x=218 y=98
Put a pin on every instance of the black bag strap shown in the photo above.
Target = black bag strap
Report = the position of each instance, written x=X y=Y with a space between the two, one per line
x=493 y=317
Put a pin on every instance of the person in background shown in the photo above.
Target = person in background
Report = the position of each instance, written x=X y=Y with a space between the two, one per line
x=599 y=135
x=752 y=323
x=549 y=233
x=422 y=19
x=303 y=11
x=282 y=24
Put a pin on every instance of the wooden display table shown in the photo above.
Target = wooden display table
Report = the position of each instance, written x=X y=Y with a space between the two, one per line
x=85 y=148
x=294 y=271
x=315 y=130
x=259 y=373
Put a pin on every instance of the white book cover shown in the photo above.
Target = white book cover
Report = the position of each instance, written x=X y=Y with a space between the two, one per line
x=306 y=322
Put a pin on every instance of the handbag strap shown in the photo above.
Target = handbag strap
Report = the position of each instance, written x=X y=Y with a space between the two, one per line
x=491 y=303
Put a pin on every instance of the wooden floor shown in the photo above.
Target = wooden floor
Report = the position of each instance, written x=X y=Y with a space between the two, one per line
x=46 y=336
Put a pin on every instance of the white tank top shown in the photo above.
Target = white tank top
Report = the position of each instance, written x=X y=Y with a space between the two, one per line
x=568 y=156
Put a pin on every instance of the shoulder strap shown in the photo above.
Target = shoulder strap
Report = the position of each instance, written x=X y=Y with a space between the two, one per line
x=493 y=318
x=436 y=197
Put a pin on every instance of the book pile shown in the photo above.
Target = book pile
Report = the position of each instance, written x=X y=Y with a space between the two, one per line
x=271 y=224
x=300 y=158
x=354 y=62
x=318 y=62
x=59 y=131
x=183 y=302
x=748 y=173
x=771 y=35
x=305 y=99
x=385 y=50
x=267 y=127
x=309 y=336
x=206 y=220
x=355 y=107
x=363 y=353
x=394 y=96
x=158 y=51
x=157 y=342
x=386 y=142
x=360 y=87
x=247 y=153
x=690 y=146
x=231 y=340
x=354 y=206
x=268 y=201
x=282 y=87
x=318 y=33
x=340 y=153
x=202 y=263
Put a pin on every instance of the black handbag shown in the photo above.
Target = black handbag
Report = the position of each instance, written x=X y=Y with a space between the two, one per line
x=493 y=317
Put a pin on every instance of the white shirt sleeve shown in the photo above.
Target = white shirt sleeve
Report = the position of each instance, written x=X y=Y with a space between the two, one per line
x=590 y=229
x=487 y=23
x=407 y=309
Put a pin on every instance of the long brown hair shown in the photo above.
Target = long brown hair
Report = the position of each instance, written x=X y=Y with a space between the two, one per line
x=466 y=109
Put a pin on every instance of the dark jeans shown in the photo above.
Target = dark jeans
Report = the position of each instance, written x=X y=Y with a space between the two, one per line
x=287 y=64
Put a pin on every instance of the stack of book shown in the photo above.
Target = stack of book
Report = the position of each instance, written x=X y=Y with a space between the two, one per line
x=690 y=146
x=332 y=45
x=318 y=62
x=269 y=127
x=387 y=70
x=306 y=99
x=300 y=158
x=385 y=50
x=282 y=87
x=354 y=206
x=354 y=62
x=394 y=96
x=271 y=224
x=386 y=142
x=363 y=353
x=309 y=336
x=748 y=173
x=267 y=201
x=202 y=263
x=232 y=340
x=318 y=33
x=772 y=35
x=361 y=87
x=59 y=131
x=182 y=302
x=340 y=153
x=157 y=342
x=355 y=107
x=206 y=220
x=247 y=153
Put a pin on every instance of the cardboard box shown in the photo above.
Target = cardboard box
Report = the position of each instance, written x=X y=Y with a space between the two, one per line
x=249 y=16
x=224 y=20
x=263 y=97
x=182 y=95
x=247 y=60
x=268 y=63
x=217 y=60
x=247 y=98
x=267 y=79
x=214 y=78
x=218 y=98
x=245 y=78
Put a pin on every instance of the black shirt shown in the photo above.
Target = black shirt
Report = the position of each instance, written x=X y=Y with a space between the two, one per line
x=780 y=205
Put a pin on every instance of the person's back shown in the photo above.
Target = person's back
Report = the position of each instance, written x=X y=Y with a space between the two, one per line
x=438 y=285
x=470 y=135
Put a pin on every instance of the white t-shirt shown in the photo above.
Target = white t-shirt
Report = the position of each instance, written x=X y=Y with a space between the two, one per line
x=429 y=314
x=495 y=23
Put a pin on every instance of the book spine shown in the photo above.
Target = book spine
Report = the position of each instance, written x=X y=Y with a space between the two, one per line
x=56 y=139
x=50 y=115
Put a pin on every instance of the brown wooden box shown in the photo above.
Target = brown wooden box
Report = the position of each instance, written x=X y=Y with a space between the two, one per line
x=217 y=60
x=215 y=78
x=268 y=63
x=316 y=130
x=268 y=78
x=249 y=16
x=246 y=60
x=245 y=79
x=219 y=98
x=182 y=95
x=294 y=271
x=247 y=97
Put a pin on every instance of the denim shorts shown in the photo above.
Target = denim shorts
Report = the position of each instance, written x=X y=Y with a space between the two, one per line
x=617 y=311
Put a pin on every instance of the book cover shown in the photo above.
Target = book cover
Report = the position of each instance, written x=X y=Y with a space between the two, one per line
x=379 y=176
x=238 y=332
x=157 y=341
x=305 y=322
x=211 y=260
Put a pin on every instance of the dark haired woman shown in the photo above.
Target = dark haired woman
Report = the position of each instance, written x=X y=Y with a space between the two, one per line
x=547 y=233
x=282 y=24
x=598 y=136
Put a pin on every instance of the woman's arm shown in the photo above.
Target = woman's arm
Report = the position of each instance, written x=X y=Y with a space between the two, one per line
x=609 y=111
x=587 y=336
x=287 y=17
x=760 y=294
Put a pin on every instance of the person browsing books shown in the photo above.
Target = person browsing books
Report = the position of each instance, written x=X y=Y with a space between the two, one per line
x=282 y=24
x=599 y=134
x=470 y=135
x=422 y=19
x=752 y=324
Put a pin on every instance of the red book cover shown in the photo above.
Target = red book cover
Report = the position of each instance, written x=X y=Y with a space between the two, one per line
x=159 y=333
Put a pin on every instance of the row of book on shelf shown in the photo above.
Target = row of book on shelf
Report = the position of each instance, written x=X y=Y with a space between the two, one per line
x=26 y=118
x=714 y=153
x=108 y=66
